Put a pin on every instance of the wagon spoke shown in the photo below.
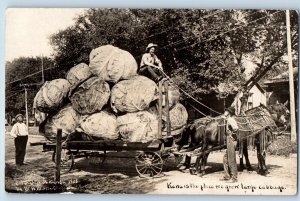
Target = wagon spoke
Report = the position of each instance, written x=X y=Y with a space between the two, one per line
x=149 y=164
x=154 y=170
x=156 y=164
x=159 y=168
x=141 y=160
x=155 y=160
x=141 y=164
x=143 y=168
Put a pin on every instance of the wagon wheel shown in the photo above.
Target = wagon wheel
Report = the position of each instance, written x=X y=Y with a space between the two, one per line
x=149 y=164
x=67 y=160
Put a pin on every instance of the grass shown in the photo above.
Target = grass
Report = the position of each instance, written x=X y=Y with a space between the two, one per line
x=282 y=146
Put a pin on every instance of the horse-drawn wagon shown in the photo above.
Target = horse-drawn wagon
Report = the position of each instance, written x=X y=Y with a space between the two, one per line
x=149 y=155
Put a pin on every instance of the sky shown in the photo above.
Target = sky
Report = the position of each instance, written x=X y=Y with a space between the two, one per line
x=28 y=30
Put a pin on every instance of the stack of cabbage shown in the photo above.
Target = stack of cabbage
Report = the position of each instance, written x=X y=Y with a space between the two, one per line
x=106 y=99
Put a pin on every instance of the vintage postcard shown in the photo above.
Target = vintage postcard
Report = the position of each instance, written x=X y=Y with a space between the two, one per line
x=151 y=101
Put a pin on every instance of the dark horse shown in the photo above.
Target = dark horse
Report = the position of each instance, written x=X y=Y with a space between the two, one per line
x=205 y=134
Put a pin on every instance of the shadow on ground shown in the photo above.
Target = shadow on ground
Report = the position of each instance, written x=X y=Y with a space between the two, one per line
x=115 y=175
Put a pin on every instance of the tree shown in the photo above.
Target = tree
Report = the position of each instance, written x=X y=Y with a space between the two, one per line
x=24 y=70
x=202 y=50
x=133 y=29
x=96 y=27
x=272 y=46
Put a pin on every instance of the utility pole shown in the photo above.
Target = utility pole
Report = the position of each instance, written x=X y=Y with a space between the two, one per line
x=26 y=86
x=291 y=79
x=26 y=107
x=43 y=78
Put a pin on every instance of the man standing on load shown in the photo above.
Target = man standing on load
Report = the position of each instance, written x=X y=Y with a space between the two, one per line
x=151 y=66
x=229 y=160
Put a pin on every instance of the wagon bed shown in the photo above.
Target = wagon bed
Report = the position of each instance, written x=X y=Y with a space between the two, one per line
x=149 y=156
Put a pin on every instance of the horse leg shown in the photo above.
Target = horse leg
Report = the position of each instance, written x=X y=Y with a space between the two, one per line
x=194 y=169
x=200 y=162
x=245 y=153
x=186 y=164
x=262 y=168
x=263 y=163
x=260 y=159
x=187 y=161
x=258 y=156
x=242 y=167
x=203 y=164
x=269 y=140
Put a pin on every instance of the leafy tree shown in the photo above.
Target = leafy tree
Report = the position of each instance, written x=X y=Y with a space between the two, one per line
x=23 y=67
x=202 y=50
x=271 y=45
x=24 y=70
x=133 y=29
x=96 y=27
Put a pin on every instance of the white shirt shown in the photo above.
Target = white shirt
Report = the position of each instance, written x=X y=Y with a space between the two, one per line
x=232 y=124
x=19 y=129
x=147 y=57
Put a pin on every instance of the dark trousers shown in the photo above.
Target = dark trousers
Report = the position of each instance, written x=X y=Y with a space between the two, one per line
x=20 y=144
x=229 y=159
x=150 y=72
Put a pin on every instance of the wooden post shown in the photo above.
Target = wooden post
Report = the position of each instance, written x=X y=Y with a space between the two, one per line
x=291 y=79
x=166 y=86
x=58 y=155
x=159 y=132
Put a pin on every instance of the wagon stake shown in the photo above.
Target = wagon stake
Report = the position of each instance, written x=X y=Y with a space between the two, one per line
x=58 y=155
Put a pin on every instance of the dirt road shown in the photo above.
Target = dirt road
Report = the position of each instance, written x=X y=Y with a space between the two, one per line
x=118 y=175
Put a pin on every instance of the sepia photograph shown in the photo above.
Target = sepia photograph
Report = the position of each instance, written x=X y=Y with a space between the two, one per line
x=151 y=101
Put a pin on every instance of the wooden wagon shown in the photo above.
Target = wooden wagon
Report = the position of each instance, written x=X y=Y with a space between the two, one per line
x=149 y=156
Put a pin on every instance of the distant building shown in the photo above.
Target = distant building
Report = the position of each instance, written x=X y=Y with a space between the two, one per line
x=196 y=110
x=277 y=88
x=257 y=96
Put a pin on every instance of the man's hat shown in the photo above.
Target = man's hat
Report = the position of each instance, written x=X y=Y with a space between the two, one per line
x=150 y=45
x=231 y=110
x=19 y=115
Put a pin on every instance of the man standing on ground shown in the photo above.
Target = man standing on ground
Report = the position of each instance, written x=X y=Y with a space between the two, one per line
x=20 y=132
x=229 y=160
